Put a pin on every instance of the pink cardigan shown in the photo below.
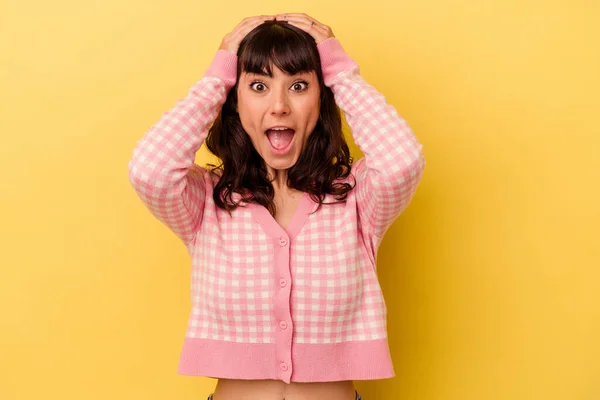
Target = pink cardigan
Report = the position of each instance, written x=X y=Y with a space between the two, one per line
x=301 y=304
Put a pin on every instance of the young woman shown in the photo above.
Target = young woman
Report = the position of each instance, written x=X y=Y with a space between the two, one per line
x=284 y=233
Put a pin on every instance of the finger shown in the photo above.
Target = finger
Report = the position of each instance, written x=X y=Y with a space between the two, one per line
x=299 y=15
x=257 y=17
x=260 y=18
x=243 y=30
x=250 y=24
x=307 y=25
x=318 y=34
x=305 y=20
x=254 y=20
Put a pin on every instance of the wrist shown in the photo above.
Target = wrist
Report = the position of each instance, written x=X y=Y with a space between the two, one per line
x=333 y=59
x=224 y=67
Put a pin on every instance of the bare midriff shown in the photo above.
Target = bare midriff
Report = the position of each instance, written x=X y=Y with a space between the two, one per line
x=268 y=389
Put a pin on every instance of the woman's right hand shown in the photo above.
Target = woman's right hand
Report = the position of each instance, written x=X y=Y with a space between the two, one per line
x=231 y=41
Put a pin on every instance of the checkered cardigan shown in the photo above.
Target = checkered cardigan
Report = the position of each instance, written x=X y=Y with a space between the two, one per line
x=297 y=304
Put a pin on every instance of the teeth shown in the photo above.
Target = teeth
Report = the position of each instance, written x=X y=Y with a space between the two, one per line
x=279 y=129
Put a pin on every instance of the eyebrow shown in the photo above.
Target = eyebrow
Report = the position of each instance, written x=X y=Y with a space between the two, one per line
x=261 y=73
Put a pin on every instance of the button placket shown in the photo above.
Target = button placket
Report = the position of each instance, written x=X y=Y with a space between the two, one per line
x=283 y=317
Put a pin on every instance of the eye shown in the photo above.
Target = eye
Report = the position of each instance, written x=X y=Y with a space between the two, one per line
x=259 y=86
x=302 y=84
x=298 y=86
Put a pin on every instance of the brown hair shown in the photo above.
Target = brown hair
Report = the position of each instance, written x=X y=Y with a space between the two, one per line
x=326 y=157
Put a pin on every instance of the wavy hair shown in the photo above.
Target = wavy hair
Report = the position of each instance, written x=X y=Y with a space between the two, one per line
x=325 y=161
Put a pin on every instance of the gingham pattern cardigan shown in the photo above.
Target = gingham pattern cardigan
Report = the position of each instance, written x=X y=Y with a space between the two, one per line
x=299 y=304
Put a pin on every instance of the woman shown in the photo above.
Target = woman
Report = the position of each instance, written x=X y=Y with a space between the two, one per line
x=284 y=233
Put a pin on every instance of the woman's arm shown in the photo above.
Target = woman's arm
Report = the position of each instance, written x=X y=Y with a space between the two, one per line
x=162 y=169
x=388 y=175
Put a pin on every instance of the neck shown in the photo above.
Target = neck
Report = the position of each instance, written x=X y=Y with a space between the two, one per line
x=278 y=178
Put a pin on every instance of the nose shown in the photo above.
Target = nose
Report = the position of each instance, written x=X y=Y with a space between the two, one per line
x=280 y=102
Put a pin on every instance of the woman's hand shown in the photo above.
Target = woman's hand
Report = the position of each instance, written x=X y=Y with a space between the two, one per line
x=308 y=24
x=231 y=41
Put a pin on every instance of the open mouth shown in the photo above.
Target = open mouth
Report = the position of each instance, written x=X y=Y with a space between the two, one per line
x=280 y=140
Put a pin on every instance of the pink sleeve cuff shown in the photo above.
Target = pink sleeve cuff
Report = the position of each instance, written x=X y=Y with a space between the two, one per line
x=224 y=67
x=333 y=59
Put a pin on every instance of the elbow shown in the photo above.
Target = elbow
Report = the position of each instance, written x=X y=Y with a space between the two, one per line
x=409 y=172
x=418 y=165
x=406 y=179
x=400 y=172
x=136 y=175
x=148 y=177
x=141 y=175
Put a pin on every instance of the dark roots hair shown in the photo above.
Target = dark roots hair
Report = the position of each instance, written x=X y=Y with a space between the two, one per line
x=324 y=163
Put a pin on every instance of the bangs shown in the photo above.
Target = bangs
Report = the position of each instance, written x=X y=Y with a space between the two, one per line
x=281 y=46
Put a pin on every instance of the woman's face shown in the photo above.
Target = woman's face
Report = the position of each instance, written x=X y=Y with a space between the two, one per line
x=287 y=101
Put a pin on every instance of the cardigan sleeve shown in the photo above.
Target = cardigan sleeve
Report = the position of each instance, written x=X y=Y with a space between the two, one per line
x=393 y=163
x=162 y=169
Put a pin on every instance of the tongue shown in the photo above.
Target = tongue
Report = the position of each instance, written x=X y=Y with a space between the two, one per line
x=280 y=139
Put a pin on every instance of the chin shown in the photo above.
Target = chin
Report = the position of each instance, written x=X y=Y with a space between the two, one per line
x=282 y=164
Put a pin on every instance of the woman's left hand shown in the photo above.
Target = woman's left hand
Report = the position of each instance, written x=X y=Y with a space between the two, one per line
x=308 y=24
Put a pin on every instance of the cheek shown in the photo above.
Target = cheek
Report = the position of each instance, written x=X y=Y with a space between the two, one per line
x=251 y=126
x=246 y=112
x=313 y=114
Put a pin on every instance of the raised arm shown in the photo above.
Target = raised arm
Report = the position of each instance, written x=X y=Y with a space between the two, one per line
x=388 y=175
x=162 y=169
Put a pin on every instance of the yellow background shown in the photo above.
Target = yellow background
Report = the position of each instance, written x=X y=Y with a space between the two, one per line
x=491 y=276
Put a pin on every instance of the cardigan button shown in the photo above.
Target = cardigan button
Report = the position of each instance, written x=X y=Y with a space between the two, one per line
x=283 y=366
x=282 y=241
x=283 y=324
x=282 y=282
